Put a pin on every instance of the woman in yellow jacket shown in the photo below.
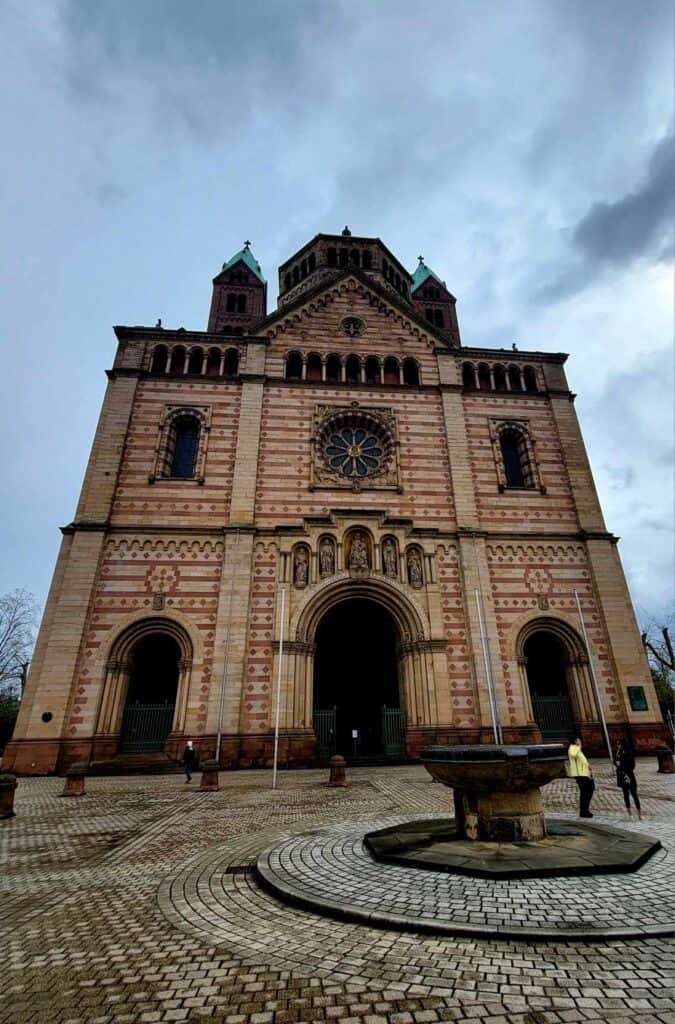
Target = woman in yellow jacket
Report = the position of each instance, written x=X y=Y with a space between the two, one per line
x=578 y=768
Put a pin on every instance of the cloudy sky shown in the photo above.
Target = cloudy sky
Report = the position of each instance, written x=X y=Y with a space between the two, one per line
x=524 y=148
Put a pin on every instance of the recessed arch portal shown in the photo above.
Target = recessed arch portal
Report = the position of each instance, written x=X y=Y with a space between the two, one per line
x=146 y=685
x=388 y=655
x=555 y=668
x=356 y=676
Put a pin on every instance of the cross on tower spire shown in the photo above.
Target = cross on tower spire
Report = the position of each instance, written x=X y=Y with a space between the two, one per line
x=421 y=259
x=247 y=244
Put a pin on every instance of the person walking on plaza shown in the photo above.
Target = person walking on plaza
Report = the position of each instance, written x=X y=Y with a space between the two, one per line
x=624 y=762
x=578 y=768
x=189 y=761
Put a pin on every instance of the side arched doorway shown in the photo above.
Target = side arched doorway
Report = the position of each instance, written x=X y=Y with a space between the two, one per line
x=357 y=705
x=154 y=669
x=548 y=665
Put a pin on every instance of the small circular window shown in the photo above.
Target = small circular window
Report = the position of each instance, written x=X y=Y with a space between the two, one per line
x=354 y=452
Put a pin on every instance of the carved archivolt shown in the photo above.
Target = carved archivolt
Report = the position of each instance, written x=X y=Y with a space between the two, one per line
x=124 y=548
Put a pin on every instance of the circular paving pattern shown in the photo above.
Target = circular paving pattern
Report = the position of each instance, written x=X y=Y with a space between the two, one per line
x=331 y=872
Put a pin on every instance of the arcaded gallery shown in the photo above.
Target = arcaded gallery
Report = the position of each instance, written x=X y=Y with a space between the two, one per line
x=341 y=497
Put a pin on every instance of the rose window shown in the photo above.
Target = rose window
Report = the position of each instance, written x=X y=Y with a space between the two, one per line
x=354 y=453
x=355 y=446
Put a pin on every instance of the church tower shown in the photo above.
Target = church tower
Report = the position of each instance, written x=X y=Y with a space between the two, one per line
x=239 y=295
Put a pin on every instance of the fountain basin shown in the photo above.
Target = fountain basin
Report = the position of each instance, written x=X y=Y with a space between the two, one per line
x=497 y=793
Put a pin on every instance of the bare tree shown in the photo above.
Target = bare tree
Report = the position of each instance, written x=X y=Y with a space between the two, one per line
x=658 y=645
x=18 y=620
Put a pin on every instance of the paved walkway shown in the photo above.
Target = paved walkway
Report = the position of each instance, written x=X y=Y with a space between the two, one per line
x=90 y=935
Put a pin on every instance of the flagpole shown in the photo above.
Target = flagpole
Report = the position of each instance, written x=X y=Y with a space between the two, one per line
x=276 y=723
x=596 y=690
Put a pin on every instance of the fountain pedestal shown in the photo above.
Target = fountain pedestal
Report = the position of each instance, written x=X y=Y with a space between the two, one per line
x=497 y=791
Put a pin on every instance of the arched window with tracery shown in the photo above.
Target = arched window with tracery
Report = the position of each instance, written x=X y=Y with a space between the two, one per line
x=333 y=369
x=231 y=366
x=183 y=446
x=213 y=363
x=313 y=367
x=483 y=377
x=159 y=358
x=241 y=303
x=372 y=370
x=514 y=378
x=390 y=370
x=518 y=470
x=231 y=303
x=530 y=378
x=196 y=360
x=178 y=360
x=293 y=366
x=438 y=318
x=353 y=370
x=411 y=373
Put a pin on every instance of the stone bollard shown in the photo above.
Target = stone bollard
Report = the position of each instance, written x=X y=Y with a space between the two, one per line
x=338 y=775
x=209 y=783
x=75 y=776
x=7 y=790
x=665 y=758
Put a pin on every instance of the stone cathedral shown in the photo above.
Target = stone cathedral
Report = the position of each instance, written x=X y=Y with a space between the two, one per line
x=422 y=513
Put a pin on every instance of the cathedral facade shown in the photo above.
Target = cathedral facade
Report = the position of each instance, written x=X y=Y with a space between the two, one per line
x=339 y=499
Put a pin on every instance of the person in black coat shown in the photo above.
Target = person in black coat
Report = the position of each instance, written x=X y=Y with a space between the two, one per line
x=624 y=762
x=189 y=761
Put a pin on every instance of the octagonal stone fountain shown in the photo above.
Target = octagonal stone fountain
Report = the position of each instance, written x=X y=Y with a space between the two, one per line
x=499 y=829
x=497 y=790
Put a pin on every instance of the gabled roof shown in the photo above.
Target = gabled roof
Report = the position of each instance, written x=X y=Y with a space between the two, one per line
x=366 y=279
x=422 y=274
x=249 y=259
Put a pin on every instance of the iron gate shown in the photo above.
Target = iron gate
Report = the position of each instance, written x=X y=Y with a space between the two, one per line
x=145 y=727
x=554 y=717
x=325 y=730
x=393 y=732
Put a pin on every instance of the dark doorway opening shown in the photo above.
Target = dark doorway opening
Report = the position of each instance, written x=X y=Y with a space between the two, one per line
x=151 y=696
x=547 y=675
x=356 y=683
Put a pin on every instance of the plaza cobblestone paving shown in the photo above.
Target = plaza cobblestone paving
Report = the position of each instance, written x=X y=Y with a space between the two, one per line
x=138 y=903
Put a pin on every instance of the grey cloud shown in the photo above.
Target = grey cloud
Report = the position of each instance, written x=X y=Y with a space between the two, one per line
x=616 y=233
x=109 y=194
x=623 y=476
x=619 y=231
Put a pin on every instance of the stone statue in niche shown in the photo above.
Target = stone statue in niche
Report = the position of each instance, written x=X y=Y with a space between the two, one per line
x=389 y=559
x=358 y=554
x=301 y=568
x=415 y=576
x=326 y=558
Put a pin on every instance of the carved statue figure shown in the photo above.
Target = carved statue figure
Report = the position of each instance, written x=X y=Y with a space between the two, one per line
x=415 y=568
x=301 y=568
x=326 y=558
x=389 y=558
x=358 y=553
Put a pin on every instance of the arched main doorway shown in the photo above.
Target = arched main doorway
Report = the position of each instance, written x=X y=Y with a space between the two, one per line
x=357 y=706
x=151 y=694
x=548 y=669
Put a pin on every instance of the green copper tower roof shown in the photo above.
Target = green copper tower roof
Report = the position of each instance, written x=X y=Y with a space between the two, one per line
x=249 y=259
x=422 y=274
